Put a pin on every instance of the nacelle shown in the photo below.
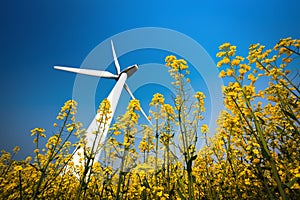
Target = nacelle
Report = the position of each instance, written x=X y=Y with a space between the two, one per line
x=130 y=70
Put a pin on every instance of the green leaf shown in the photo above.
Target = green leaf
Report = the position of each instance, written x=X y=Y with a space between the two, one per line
x=280 y=129
x=292 y=182
x=179 y=192
x=262 y=120
x=291 y=115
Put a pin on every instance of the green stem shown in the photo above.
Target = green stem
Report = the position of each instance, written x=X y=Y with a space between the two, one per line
x=20 y=186
x=263 y=144
x=156 y=149
x=267 y=154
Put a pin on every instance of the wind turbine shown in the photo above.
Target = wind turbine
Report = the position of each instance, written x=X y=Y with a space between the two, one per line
x=113 y=98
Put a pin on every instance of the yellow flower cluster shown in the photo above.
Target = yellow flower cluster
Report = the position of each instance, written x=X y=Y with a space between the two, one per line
x=69 y=108
x=157 y=99
x=38 y=131
x=170 y=114
x=176 y=65
x=178 y=70
x=134 y=105
x=200 y=98
x=258 y=134
x=253 y=155
x=104 y=112
x=204 y=128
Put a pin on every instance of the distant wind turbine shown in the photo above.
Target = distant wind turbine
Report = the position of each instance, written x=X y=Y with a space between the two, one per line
x=113 y=98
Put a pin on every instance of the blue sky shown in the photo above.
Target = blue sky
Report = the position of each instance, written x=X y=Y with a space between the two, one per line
x=35 y=35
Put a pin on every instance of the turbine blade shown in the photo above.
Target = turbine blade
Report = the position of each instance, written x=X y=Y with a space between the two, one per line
x=89 y=72
x=142 y=111
x=115 y=58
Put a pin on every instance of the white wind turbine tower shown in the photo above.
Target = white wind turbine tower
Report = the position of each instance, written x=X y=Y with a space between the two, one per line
x=113 y=98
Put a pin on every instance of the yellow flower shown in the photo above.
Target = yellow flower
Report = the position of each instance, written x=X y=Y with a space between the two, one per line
x=229 y=72
x=255 y=151
x=226 y=60
x=18 y=168
x=71 y=128
x=169 y=111
x=247 y=181
x=245 y=67
x=256 y=161
x=38 y=131
x=224 y=46
x=170 y=59
x=157 y=99
x=235 y=62
x=242 y=72
x=287 y=60
x=16 y=149
x=251 y=77
x=160 y=193
x=28 y=159
x=204 y=128
x=222 y=74
x=221 y=54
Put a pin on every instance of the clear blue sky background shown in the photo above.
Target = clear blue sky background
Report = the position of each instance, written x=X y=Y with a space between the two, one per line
x=35 y=35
